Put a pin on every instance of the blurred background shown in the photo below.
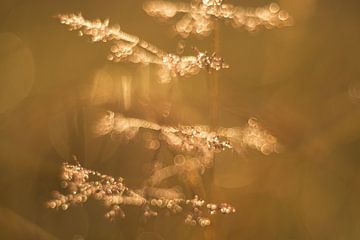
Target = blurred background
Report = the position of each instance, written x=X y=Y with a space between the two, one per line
x=301 y=82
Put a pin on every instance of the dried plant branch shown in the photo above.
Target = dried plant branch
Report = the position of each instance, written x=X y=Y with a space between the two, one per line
x=193 y=141
x=81 y=184
x=127 y=47
x=194 y=148
x=200 y=15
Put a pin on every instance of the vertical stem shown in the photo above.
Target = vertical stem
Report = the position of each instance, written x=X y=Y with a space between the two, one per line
x=214 y=81
x=76 y=132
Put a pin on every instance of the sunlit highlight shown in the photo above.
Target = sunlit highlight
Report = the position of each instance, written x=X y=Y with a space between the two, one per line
x=130 y=48
x=81 y=184
x=197 y=141
x=199 y=16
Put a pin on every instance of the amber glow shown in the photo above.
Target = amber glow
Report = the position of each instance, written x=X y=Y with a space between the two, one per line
x=140 y=137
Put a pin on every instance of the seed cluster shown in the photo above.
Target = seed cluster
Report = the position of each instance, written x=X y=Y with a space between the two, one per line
x=81 y=184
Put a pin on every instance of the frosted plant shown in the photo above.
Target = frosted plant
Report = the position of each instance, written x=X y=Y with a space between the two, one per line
x=81 y=184
x=196 y=141
x=193 y=147
x=127 y=47
x=253 y=135
x=199 y=16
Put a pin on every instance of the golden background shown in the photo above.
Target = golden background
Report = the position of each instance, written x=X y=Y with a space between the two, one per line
x=301 y=82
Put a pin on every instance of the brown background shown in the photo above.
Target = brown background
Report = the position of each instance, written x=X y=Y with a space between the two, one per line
x=302 y=83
